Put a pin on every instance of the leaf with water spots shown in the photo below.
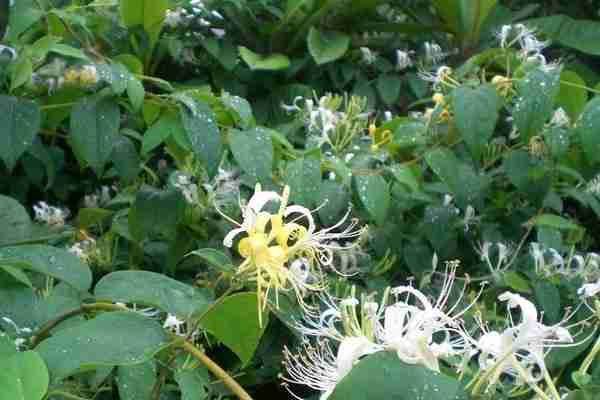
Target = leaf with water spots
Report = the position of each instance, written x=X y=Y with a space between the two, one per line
x=50 y=261
x=382 y=376
x=200 y=124
x=152 y=289
x=113 y=338
x=253 y=150
x=535 y=101
x=303 y=175
x=23 y=376
x=94 y=130
x=136 y=382
x=374 y=195
x=588 y=130
x=20 y=126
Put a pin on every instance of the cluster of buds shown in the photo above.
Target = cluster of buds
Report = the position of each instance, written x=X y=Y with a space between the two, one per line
x=52 y=216
x=84 y=76
x=379 y=137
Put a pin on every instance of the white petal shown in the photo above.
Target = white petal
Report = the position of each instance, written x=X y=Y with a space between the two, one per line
x=228 y=240
x=528 y=310
x=259 y=199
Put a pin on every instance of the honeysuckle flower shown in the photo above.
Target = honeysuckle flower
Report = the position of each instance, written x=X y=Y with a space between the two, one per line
x=422 y=332
x=342 y=318
x=403 y=60
x=503 y=253
x=368 y=56
x=273 y=242
x=9 y=50
x=441 y=76
x=188 y=189
x=593 y=186
x=320 y=368
x=85 y=250
x=560 y=118
x=174 y=324
x=589 y=289
x=520 y=349
x=52 y=216
x=433 y=52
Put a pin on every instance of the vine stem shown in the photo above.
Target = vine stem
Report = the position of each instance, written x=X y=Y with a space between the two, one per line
x=65 y=395
x=216 y=370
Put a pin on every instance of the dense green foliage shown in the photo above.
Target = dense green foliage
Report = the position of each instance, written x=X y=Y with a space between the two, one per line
x=136 y=131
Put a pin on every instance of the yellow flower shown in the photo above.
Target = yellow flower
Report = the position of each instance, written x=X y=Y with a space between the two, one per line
x=280 y=255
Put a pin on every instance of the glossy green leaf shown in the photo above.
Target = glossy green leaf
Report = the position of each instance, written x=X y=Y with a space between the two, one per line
x=389 y=87
x=136 y=93
x=51 y=261
x=94 y=130
x=192 y=382
x=240 y=311
x=156 y=212
x=16 y=224
x=535 y=104
x=150 y=14
x=554 y=221
x=327 y=46
x=580 y=34
x=253 y=150
x=572 y=98
x=22 y=15
x=272 y=62
x=215 y=259
x=23 y=376
x=152 y=289
x=588 y=130
x=476 y=113
x=125 y=158
x=160 y=131
x=374 y=195
x=383 y=376
x=303 y=175
x=113 y=338
x=136 y=382
x=21 y=124
x=200 y=124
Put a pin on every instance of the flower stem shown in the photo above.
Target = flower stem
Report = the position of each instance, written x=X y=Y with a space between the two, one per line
x=587 y=362
x=216 y=370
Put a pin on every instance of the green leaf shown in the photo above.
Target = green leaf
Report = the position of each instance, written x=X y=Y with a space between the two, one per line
x=69 y=51
x=22 y=15
x=7 y=346
x=253 y=150
x=389 y=87
x=147 y=13
x=19 y=129
x=588 y=130
x=136 y=382
x=125 y=158
x=215 y=258
x=136 y=93
x=327 y=46
x=239 y=310
x=192 y=382
x=21 y=72
x=152 y=289
x=535 y=103
x=374 y=195
x=155 y=212
x=23 y=377
x=200 y=124
x=580 y=34
x=94 y=130
x=571 y=98
x=554 y=221
x=516 y=282
x=272 y=62
x=465 y=17
x=476 y=113
x=445 y=165
x=304 y=178
x=114 y=338
x=51 y=261
x=548 y=297
x=88 y=217
x=383 y=376
x=335 y=201
x=160 y=131
x=241 y=108
x=16 y=224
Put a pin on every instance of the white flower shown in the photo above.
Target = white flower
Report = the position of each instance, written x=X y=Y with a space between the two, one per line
x=188 y=189
x=10 y=50
x=421 y=332
x=502 y=256
x=368 y=57
x=433 y=53
x=403 y=60
x=560 y=118
x=593 y=186
x=589 y=289
x=319 y=368
x=85 y=250
x=52 y=216
x=173 y=18
x=174 y=324
x=441 y=75
x=520 y=349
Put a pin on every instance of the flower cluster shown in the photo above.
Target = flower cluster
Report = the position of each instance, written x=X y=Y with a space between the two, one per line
x=424 y=332
x=50 y=215
x=549 y=261
x=279 y=253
